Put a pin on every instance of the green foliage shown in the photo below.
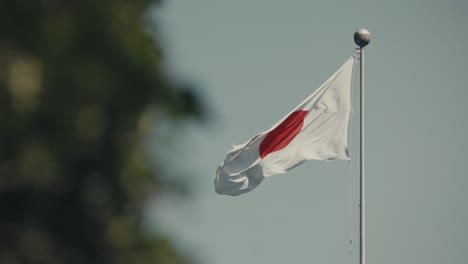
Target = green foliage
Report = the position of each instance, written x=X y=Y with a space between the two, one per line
x=79 y=81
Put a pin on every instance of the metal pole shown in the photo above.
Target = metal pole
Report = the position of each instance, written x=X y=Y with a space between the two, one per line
x=362 y=204
x=362 y=38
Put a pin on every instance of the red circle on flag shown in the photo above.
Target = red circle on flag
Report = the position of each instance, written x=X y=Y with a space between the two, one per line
x=283 y=134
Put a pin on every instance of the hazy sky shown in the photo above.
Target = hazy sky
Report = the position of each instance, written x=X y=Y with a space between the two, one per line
x=253 y=60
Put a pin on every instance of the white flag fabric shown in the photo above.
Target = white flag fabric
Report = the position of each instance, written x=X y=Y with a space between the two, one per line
x=316 y=129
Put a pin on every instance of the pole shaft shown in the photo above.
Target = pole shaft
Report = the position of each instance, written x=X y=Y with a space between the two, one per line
x=362 y=207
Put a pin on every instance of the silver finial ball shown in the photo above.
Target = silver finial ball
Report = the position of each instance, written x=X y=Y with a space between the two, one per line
x=362 y=37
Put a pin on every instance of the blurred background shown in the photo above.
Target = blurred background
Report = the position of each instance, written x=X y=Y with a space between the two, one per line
x=82 y=85
x=115 y=114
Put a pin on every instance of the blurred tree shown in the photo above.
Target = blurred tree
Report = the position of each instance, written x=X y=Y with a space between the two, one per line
x=78 y=83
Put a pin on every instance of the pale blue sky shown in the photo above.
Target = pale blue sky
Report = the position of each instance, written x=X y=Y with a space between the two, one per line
x=253 y=60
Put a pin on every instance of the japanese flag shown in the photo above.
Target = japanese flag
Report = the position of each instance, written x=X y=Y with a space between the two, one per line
x=315 y=129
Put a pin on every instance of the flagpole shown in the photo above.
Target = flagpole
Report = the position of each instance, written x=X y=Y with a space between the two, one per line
x=362 y=38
